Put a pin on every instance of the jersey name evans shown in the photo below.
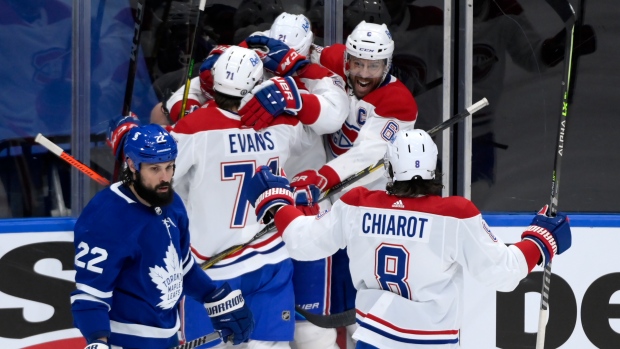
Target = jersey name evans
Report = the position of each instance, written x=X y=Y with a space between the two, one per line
x=248 y=141
x=395 y=224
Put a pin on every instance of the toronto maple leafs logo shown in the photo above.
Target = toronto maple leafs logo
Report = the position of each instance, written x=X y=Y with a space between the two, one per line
x=169 y=279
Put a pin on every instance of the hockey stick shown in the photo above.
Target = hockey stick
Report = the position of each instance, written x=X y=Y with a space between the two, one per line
x=133 y=58
x=49 y=145
x=340 y=186
x=131 y=73
x=200 y=341
x=363 y=173
x=566 y=12
x=190 y=68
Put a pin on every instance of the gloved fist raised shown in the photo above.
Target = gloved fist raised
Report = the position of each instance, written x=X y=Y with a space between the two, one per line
x=280 y=59
x=273 y=97
x=229 y=314
x=552 y=235
x=206 y=79
x=117 y=130
x=267 y=191
x=307 y=186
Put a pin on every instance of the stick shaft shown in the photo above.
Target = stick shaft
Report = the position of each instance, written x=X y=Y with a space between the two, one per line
x=133 y=58
x=199 y=341
x=52 y=147
x=190 y=68
x=564 y=9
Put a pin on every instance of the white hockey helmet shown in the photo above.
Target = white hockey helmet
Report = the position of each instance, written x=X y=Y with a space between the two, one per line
x=411 y=153
x=237 y=71
x=293 y=30
x=371 y=41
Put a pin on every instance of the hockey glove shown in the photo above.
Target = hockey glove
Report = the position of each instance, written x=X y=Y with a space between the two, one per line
x=98 y=344
x=307 y=197
x=117 y=131
x=273 y=97
x=552 y=235
x=307 y=186
x=206 y=79
x=281 y=59
x=229 y=314
x=268 y=191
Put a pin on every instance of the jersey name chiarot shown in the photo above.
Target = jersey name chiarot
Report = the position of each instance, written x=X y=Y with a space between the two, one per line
x=249 y=142
x=397 y=225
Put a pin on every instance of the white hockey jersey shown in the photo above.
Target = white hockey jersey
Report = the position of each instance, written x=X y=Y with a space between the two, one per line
x=371 y=122
x=217 y=158
x=407 y=257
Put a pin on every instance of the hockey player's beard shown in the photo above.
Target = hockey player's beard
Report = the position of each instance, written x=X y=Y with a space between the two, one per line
x=151 y=195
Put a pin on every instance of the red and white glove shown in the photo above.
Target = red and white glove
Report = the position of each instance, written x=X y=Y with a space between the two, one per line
x=280 y=58
x=117 y=130
x=190 y=106
x=206 y=79
x=307 y=187
x=552 y=235
x=268 y=100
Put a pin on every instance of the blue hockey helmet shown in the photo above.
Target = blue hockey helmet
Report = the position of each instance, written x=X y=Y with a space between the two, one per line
x=150 y=144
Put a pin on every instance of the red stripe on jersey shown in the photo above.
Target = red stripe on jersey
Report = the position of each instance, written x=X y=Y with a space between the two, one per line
x=285 y=216
x=311 y=109
x=211 y=118
x=331 y=175
x=452 y=206
x=254 y=246
x=314 y=72
x=393 y=100
x=332 y=58
x=204 y=119
x=404 y=330
x=530 y=251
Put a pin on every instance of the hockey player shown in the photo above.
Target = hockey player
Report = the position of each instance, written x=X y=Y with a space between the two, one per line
x=408 y=247
x=311 y=279
x=380 y=105
x=217 y=157
x=133 y=258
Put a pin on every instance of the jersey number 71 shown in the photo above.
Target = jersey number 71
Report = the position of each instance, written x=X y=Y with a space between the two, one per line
x=242 y=171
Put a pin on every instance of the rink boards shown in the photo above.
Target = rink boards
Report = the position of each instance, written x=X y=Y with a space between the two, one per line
x=36 y=269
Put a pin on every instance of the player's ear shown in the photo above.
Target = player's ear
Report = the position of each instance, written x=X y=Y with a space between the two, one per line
x=131 y=165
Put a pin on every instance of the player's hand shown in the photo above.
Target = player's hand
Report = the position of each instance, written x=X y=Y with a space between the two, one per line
x=268 y=191
x=98 y=344
x=307 y=187
x=191 y=105
x=551 y=234
x=206 y=79
x=280 y=59
x=117 y=131
x=273 y=97
x=229 y=314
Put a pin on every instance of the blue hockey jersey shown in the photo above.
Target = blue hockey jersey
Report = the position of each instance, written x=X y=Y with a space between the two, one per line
x=133 y=263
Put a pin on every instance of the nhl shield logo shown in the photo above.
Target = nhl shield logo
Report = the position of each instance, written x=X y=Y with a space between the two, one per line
x=286 y=315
